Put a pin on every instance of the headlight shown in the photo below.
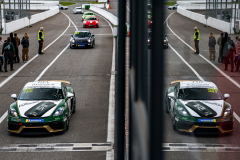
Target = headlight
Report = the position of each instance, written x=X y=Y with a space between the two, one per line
x=165 y=41
x=84 y=21
x=59 y=111
x=96 y=21
x=12 y=112
x=228 y=112
x=148 y=40
x=73 y=41
x=151 y=21
x=89 y=41
x=182 y=111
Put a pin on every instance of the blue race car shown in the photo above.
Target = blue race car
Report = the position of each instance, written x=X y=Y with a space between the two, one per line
x=82 y=39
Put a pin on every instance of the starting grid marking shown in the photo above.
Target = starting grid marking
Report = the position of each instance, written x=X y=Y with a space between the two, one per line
x=57 y=147
x=199 y=147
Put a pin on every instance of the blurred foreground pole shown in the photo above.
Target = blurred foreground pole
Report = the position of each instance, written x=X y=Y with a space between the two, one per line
x=121 y=79
x=157 y=81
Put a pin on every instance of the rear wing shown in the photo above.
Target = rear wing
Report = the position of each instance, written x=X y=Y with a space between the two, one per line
x=67 y=82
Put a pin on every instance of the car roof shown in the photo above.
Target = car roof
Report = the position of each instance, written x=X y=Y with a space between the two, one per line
x=197 y=84
x=44 y=84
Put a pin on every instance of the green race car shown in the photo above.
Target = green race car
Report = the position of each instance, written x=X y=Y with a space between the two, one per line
x=42 y=107
x=198 y=107
x=88 y=14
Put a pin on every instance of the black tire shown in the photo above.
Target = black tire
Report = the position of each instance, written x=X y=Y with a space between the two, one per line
x=70 y=46
x=67 y=123
x=166 y=105
x=167 y=46
x=93 y=44
x=174 y=121
x=74 y=105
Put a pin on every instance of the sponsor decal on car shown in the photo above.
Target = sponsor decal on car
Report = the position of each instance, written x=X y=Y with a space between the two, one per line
x=34 y=120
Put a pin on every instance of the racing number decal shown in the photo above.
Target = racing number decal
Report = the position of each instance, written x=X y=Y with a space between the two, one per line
x=212 y=90
x=28 y=90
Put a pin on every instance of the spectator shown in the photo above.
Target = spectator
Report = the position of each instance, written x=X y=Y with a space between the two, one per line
x=237 y=57
x=1 y=54
x=228 y=52
x=16 y=58
x=25 y=34
x=211 y=45
x=219 y=42
x=25 y=50
x=9 y=53
x=225 y=39
x=13 y=42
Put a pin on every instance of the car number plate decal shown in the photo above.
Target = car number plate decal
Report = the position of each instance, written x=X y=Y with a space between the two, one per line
x=206 y=120
x=34 y=120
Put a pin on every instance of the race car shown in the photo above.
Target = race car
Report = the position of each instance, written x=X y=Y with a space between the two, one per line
x=198 y=107
x=82 y=39
x=91 y=22
x=77 y=10
x=62 y=7
x=165 y=40
x=88 y=14
x=149 y=21
x=173 y=7
x=42 y=107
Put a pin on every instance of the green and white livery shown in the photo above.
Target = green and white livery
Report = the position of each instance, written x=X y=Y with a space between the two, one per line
x=87 y=14
x=42 y=107
x=198 y=106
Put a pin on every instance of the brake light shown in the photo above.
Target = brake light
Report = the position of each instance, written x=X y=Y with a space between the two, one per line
x=20 y=124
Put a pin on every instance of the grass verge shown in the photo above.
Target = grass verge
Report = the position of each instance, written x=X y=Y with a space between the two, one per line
x=66 y=3
x=170 y=3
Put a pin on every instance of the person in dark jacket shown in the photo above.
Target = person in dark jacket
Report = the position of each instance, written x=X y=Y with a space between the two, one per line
x=219 y=42
x=9 y=52
x=13 y=42
x=25 y=50
x=228 y=53
x=16 y=58
x=224 y=40
x=211 y=45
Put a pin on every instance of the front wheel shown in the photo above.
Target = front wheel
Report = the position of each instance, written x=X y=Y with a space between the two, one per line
x=166 y=105
x=67 y=124
x=174 y=120
x=93 y=44
x=70 y=46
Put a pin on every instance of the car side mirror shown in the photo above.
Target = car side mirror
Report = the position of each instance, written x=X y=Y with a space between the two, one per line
x=69 y=95
x=92 y=35
x=171 y=95
x=14 y=96
x=226 y=96
x=71 y=36
x=165 y=36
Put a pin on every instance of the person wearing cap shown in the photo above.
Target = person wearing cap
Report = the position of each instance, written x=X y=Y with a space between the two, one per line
x=40 y=40
x=196 y=39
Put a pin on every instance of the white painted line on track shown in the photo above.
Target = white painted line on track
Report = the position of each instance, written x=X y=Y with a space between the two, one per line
x=3 y=116
x=111 y=108
x=128 y=8
x=219 y=70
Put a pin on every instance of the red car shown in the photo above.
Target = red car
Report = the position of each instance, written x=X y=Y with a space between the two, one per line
x=91 y=22
x=149 y=21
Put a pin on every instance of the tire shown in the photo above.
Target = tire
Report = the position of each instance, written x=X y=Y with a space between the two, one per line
x=70 y=46
x=67 y=123
x=93 y=44
x=174 y=121
x=74 y=107
x=166 y=105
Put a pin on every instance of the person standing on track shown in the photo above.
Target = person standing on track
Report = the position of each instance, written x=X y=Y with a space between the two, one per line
x=196 y=39
x=1 y=54
x=211 y=45
x=25 y=50
x=219 y=42
x=40 y=40
x=9 y=52
x=224 y=40
x=228 y=53
x=16 y=58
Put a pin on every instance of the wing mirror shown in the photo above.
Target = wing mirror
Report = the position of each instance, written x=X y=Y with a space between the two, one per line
x=226 y=96
x=165 y=35
x=171 y=95
x=71 y=36
x=14 y=96
x=98 y=19
x=69 y=95
x=92 y=35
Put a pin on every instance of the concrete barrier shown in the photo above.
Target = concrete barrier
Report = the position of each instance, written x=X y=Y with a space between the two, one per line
x=96 y=5
x=24 y=22
x=212 y=22
x=108 y=15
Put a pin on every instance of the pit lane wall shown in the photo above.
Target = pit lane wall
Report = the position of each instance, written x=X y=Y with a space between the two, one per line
x=24 y=22
x=212 y=22
x=91 y=5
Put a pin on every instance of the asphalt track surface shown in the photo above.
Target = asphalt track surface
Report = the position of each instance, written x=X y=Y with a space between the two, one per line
x=87 y=69
x=192 y=146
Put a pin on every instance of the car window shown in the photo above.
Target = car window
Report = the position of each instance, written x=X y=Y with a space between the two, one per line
x=82 y=34
x=88 y=13
x=199 y=94
x=91 y=18
x=41 y=94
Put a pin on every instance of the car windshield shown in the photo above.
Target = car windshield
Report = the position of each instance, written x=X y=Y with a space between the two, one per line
x=78 y=8
x=199 y=94
x=149 y=34
x=91 y=18
x=41 y=94
x=82 y=34
x=88 y=13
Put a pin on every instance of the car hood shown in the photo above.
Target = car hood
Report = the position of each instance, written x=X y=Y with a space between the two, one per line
x=90 y=21
x=79 y=40
x=204 y=108
x=39 y=108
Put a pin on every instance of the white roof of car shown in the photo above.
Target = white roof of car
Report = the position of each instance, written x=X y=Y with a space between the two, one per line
x=197 y=84
x=43 y=84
